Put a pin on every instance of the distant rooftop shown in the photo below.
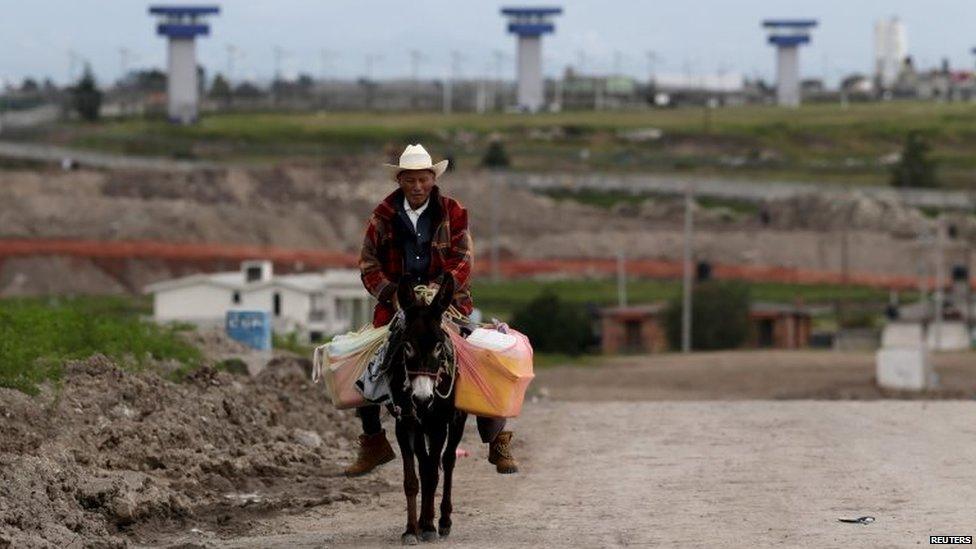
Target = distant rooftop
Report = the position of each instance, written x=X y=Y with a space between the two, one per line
x=529 y=12
x=790 y=23
x=192 y=11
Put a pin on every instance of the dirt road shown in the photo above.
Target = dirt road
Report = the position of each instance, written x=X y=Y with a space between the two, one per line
x=732 y=474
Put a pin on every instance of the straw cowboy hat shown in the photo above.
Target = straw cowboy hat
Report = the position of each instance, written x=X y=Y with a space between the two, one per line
x=416 y=157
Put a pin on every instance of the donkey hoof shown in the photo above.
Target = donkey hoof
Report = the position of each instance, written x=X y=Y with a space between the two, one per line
x=444 y=531
x=428 y=535
x=409 y=539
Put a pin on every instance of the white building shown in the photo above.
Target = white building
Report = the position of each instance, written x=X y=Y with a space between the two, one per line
x=316 y=305
x=890 y=49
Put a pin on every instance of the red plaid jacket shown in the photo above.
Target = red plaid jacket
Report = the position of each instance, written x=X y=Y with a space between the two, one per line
x=381 y=257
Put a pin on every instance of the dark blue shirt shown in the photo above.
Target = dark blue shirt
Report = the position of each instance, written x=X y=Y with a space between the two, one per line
x=415 y=243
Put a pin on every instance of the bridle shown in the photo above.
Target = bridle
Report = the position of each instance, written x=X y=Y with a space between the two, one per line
x=446 y=369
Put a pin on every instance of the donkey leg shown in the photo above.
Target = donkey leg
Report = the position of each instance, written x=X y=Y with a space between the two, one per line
x=455 y=430
x=428 y=483
x=410 y=484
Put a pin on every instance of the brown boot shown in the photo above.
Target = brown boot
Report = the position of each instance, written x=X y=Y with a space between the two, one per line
x=500 y=453
x=374 y=450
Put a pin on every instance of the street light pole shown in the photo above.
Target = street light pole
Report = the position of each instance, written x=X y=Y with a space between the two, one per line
x=939 y=279
x=686 y=286
x=621 y=279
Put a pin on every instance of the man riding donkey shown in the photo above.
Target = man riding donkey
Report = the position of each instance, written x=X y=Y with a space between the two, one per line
x=415 y=235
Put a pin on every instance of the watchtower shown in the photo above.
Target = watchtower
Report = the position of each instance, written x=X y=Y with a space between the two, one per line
x=182 y=24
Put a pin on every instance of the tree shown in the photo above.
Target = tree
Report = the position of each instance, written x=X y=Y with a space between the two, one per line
x=496 y=157
x=247 y=90
x=554 y=326
x=220 y=89
x=152 y=80
x=915 y=168
x=86 y=97
x=719 y=316
x=29 y=86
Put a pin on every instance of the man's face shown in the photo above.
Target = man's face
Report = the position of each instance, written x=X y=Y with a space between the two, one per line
x=416 y=185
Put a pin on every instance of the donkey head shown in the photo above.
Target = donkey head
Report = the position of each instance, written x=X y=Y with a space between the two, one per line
x=423 y=339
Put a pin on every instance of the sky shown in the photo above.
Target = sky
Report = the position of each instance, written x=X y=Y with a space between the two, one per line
x=337 y=38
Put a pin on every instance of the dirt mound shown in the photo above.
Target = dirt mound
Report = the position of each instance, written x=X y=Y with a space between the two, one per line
x=111 y=452
x=854 y=210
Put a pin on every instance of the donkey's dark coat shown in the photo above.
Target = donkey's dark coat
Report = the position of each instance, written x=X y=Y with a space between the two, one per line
x=427 y=430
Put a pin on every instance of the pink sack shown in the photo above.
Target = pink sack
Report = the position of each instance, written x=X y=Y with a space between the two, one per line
x=343 y=360
x=493 y=372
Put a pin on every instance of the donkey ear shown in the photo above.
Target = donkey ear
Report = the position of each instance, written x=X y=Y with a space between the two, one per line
x=405 y=295
x=445 y=294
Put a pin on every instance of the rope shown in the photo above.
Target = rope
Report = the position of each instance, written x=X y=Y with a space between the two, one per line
x=427 y=293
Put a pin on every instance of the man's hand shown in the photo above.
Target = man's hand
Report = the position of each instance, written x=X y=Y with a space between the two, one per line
x=388 y=295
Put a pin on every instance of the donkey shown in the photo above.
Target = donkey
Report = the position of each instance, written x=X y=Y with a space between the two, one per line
x=428 y=426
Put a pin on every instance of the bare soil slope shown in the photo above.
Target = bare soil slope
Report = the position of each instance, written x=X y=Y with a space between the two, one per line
x=312 y=208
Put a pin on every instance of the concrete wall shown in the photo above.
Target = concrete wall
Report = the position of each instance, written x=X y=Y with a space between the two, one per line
x=295 y=306
x=193 y=303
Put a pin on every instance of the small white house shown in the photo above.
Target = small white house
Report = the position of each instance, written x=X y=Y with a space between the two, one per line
x=316 y=305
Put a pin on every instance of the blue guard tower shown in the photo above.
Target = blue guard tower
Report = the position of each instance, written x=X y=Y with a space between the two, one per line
x=182 y=24
x=529 y=24
x=788 y=35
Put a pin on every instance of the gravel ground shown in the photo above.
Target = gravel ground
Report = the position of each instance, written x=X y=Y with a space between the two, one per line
x=694 y=451
x=688 y=474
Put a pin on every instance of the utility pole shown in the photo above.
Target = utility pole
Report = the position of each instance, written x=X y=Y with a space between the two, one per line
x=621 y=279
x=371 y=59
x=496 y=87
x=73 y=61
x=939 y=279
x=324 y=57
x=924 y=239
x=449 y=83
x=493 y=252
x=279 y=55
x=124 y=56
x=581 y=60
x=232 y=53
x=686 y=303
x=651 y=65
x=415 y=58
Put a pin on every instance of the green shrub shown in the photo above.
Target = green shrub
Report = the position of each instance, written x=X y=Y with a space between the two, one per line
x=857 y=319
x=496 y=157
x=36 y=337
x=553 y=325
x=290 y=342
x=719 y=316
x=915 y=168
x=86 y=97
x=234 y=366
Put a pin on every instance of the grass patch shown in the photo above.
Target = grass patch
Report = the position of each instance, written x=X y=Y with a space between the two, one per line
x=290 y=342
x=816 y=142
x=38 y=335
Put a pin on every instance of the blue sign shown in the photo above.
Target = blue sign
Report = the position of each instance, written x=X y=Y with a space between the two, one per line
x=252 y=328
